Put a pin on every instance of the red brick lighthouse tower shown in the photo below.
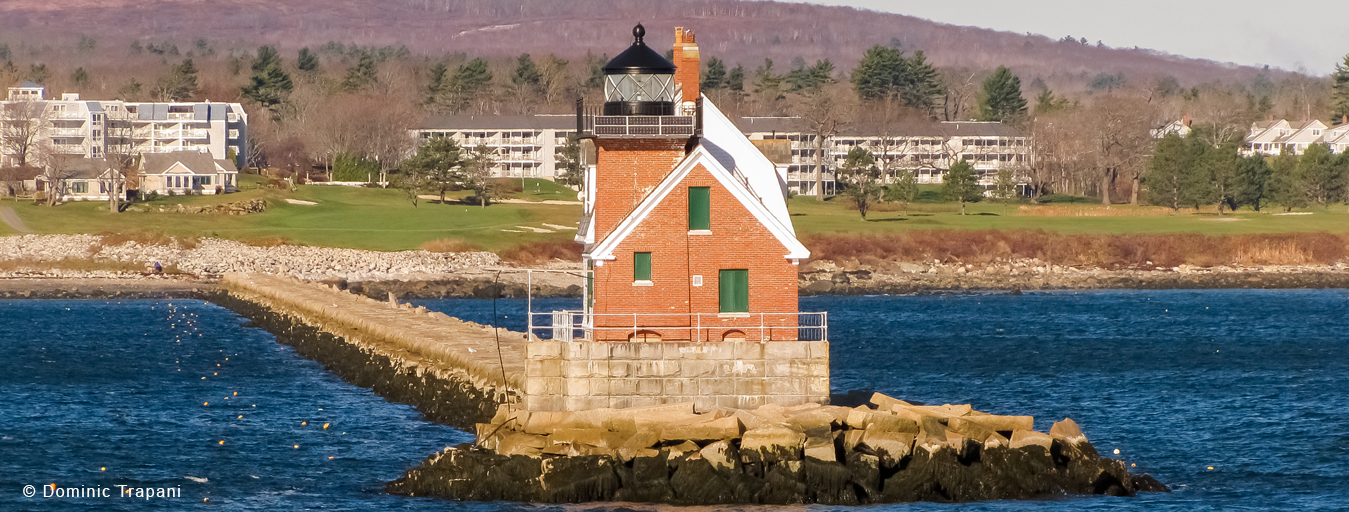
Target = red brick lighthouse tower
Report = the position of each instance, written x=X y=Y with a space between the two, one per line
x=686 y=231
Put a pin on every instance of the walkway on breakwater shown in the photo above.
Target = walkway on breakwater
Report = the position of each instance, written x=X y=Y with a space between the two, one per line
x=449 y=369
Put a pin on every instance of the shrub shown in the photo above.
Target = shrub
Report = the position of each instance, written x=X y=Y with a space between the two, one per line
x=1104 y=251
x=542 y=252
x=449 y=245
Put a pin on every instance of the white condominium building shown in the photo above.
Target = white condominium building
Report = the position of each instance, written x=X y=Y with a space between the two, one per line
x=34 y=128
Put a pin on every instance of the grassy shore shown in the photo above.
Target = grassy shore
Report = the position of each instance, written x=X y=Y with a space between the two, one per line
x=360 y=218
x=385 y=219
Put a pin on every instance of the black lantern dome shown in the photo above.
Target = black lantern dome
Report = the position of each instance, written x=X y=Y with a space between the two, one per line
x=639 y=81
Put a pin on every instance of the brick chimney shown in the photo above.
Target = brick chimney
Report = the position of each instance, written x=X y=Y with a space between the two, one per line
x=686 y=66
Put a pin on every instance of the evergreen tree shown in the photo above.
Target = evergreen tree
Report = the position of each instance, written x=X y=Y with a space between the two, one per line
x=1001 y=99
x=885 y=73
x=1253 y=181
x=439 y=84
x=1224 y=166
x=438 y=161
x=735 y=81
x=1047 y=103
x=307 y=61
x=715 y=76
x=269 y=84
x=766 y=82
x=810 y=77
x=362 y=75
x=1339 y=92
x=903 y=190
x=861 y=178
x=180 y=84
x=961 y=183
x=1198 y=187
x=526 y=72
x=569 y=160
x=80 y=78
x=1005 y=190
x=469 y=79
x=1286 y=188
x=1166 y=172
x=1323 y=179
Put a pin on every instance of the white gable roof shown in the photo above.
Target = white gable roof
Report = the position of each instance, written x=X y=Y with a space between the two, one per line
x=732 y=182
x=736 y=153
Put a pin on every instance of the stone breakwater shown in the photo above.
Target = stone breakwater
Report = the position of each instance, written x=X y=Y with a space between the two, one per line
x=450 y=370
x=215 y=257
x=823 y=277
x=891 y=451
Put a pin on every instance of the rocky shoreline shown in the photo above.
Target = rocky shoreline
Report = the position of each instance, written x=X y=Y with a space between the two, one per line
x=427 y=275
x=893 y=451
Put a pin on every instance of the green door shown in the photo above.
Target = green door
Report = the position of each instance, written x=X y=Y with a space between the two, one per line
x=734 y=285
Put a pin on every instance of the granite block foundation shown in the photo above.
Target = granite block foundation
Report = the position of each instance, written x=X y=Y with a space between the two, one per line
x=580 y=375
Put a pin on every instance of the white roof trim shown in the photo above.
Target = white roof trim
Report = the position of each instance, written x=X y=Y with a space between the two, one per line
x=700 y=155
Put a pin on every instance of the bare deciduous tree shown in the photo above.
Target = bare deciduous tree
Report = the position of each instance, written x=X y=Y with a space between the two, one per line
x=21 y=129
x=824 y=111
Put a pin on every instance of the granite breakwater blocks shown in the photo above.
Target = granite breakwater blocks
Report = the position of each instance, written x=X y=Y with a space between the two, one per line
x=892 y=451
x=439 y=365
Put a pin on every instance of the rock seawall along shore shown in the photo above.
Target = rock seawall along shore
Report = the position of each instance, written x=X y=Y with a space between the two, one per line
x=891 y=451
x=823 y=277
x=103 y=285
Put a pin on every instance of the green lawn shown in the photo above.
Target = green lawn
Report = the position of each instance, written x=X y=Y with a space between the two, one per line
x=363 y=218
x=385 y=219
x=831 y=217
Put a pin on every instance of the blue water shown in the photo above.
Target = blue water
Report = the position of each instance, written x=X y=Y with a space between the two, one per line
x=1252 y=383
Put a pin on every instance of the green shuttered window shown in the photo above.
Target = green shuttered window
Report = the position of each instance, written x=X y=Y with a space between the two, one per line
x=641 y=266
x=700 y=208
x=734 y=291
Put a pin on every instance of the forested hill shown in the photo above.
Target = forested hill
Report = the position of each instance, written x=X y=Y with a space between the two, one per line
x=737 y=31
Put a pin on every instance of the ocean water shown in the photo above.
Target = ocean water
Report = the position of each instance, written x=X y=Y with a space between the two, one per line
x=1254 y=384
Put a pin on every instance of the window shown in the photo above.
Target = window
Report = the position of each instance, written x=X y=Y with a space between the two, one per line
x=79 y=187
x=234 y=133
x=734 y=285
x=700 y=209
x=641 y=266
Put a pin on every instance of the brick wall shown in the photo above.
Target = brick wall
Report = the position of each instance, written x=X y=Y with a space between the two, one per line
x=626 y=170
x=574 y=376
x=737 y=241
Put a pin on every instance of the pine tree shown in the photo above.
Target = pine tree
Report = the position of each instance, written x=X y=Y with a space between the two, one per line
x=735 y=81
x=80 y=78
x=468 y=80
x=1323 y=179
x=961 y=183
x=1166 y=172
x=1339 y=92
x=269 y=84
x=439 y=84
x=569 y=160
x=180 y=84
x=885 y=73
x=307 y=61
x=1253 y=181
x=715 y=76
x=438 y=161
x=362 y=75
x=1285 y=184
x=1001 y=100
x=861 y=178
x=1047 y=103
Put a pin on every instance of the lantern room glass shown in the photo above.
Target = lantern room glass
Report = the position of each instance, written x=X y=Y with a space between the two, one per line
x=639 y=87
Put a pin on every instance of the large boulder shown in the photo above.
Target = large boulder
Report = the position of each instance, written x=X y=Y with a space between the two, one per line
x=771 y=445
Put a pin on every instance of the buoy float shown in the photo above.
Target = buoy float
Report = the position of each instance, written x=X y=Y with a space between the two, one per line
x=303 y=423
x=206 y=403
x=103 y=469
x=240 y=417
x=1116 y=451
x=297 y=447
x=1210 y=468
x=222 y=441
x=325 y=426
x=236 y=393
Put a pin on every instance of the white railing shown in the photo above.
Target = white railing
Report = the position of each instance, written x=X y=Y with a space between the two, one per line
x=575 y=325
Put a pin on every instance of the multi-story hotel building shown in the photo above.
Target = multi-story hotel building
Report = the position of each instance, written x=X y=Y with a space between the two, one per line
x=99 y=129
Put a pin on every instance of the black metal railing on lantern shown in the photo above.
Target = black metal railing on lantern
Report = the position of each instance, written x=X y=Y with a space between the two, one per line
x=592 y=122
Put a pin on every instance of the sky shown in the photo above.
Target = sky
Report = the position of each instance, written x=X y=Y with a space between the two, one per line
x=1310 y=34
